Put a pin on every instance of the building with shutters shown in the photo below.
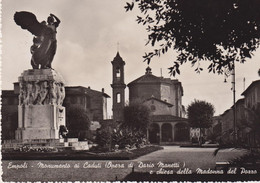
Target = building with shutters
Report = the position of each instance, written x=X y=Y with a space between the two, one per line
x=93 y=101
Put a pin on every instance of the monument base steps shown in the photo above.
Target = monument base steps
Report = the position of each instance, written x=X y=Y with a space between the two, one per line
x=60 y=144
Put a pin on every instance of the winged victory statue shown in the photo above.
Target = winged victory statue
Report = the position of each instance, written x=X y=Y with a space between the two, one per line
x=44 y=41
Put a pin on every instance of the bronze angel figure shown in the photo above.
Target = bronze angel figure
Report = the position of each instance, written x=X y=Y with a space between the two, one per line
x=44 y=43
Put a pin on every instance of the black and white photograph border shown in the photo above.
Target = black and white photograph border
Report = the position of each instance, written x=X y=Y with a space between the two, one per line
x=128 y=90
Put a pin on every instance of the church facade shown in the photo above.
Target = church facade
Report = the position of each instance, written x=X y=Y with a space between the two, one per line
x=163 y=96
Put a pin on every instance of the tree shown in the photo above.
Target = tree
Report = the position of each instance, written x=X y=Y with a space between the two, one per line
x=103 y=138
x=136 y=117
x=77 y=120
x=200 y=114
x=218 y=31
x=135 y=124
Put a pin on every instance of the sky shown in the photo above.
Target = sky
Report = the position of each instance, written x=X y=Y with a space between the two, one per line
x=89 y=36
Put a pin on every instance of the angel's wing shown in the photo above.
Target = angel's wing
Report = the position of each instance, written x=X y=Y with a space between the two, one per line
x=28 y=21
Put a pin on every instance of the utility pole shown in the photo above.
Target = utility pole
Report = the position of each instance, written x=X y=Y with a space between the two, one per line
x=234 y=98
x=244 y=84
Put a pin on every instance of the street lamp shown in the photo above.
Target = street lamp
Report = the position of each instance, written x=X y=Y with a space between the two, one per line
x=227 y=73
x=234 y=100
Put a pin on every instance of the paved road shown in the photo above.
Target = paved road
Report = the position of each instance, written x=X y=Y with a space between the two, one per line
x=172 y=156
x=191 y=158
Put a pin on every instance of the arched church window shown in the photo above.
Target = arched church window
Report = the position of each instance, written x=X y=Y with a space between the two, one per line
x=118 y=98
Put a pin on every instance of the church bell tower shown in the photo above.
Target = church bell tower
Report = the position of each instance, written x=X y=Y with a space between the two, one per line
x=118 y=86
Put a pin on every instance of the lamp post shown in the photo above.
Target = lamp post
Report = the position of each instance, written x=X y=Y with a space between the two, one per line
x=234 y=100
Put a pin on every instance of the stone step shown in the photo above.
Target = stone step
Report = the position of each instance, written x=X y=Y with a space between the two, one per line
x=64 y=148
x=32 y=141
x=66 y=144
x=56 y=144
x=71 y=140
x=80 y=148
x=35 y=144
x=61 y=144
x=53 y=143
x=82 y=145
x=69 y=143
x=36 y=141
x=12 y=141
x=73 y=143
x=12 y=145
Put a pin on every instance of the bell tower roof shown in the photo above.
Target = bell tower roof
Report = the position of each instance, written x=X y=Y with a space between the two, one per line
x=118 y=59
x=118 y=55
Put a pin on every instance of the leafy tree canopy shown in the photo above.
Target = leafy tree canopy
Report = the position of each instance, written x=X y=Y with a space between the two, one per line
x=218 y=31
x=200 y=114
x=77 y=119
x=136 y=116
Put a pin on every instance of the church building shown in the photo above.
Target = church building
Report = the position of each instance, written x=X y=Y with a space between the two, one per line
x=163 y=96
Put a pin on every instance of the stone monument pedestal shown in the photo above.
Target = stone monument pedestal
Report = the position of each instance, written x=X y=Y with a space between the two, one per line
x=40 y=110
x=39 y=122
